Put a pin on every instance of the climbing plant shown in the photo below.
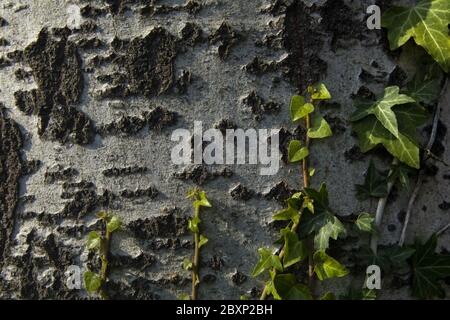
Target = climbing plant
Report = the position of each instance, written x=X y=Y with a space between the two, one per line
x=199 y=200
x=310 y=221
x=99 y=242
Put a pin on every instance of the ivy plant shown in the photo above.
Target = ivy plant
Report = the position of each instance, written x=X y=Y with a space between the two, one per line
x=427 y=23
x=310 y=221
x=99 y=242
x=199 y=200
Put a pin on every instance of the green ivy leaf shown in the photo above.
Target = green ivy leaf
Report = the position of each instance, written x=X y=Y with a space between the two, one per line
x=193 y=224
x=287 y=214
x=294 y=250
x=202 y=201
x=187 y=264
x=203 y=240
x=372 y=133
x=296 y=152
x=113 y=224
x=428 y=269
x=320 y=128
x=319 y=92
x=319 y=197
x=427 y=23
x=287 y=287
x=300 y=108
x=400 y=173
x=382 y=109
x=92 y=282
x=365 y=222
x=375 y=184
x=327 y=267
x=332 y=229
x=422 y=89
x=93 y=241
x=266 y=261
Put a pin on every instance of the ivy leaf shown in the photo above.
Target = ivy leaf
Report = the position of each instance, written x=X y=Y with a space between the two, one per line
x=193 y=224
x=113 y=224
x=427 y=23
x=400 y=173
x=333 y=229
x=314 y=221
x=372 y=133
x=287 y=214
x=296 y=152
x=411 y=116
x=428 y=268
x=93 y=241
x=266 y=261
x=287 y=287
x=319 y=92
x=382 y=109
x=300 y=108
x=294 y=250
x=202 y=201
x=375 y=184
x=422 y=89
x=320 y=128
x=92 y=281
x=327 y=267
x=365 y=222
x=319 y=198
x=187 y=264
x=203 y=240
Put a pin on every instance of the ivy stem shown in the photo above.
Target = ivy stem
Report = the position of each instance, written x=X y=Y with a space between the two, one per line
x=104 y=258
x=427 y=154
x=196 y=259
x=380 y=211
x=305 y=174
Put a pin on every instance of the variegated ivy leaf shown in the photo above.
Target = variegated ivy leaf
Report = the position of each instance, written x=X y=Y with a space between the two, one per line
x=365 y=222
x=372 y=133
x=382 y=109
x=426 y=22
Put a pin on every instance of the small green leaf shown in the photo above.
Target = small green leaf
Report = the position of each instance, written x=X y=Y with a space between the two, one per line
x=400 y=174
x=267 y=261
x=287 y=288
x=193 y=224
x=332 y=229
x=296 y=152
x=300 y=108
x=113 y=224
x=244 y=297
x=199 y=197
x=375 y=184
x=319 y=92
x=92 y=282
x=311 y=171
x=320 y=128
x=294 y=250
x=187 y=264
x=365 y=222
x=287 y=214
x=327 y=267
x=94 y=240
x=203 y=240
